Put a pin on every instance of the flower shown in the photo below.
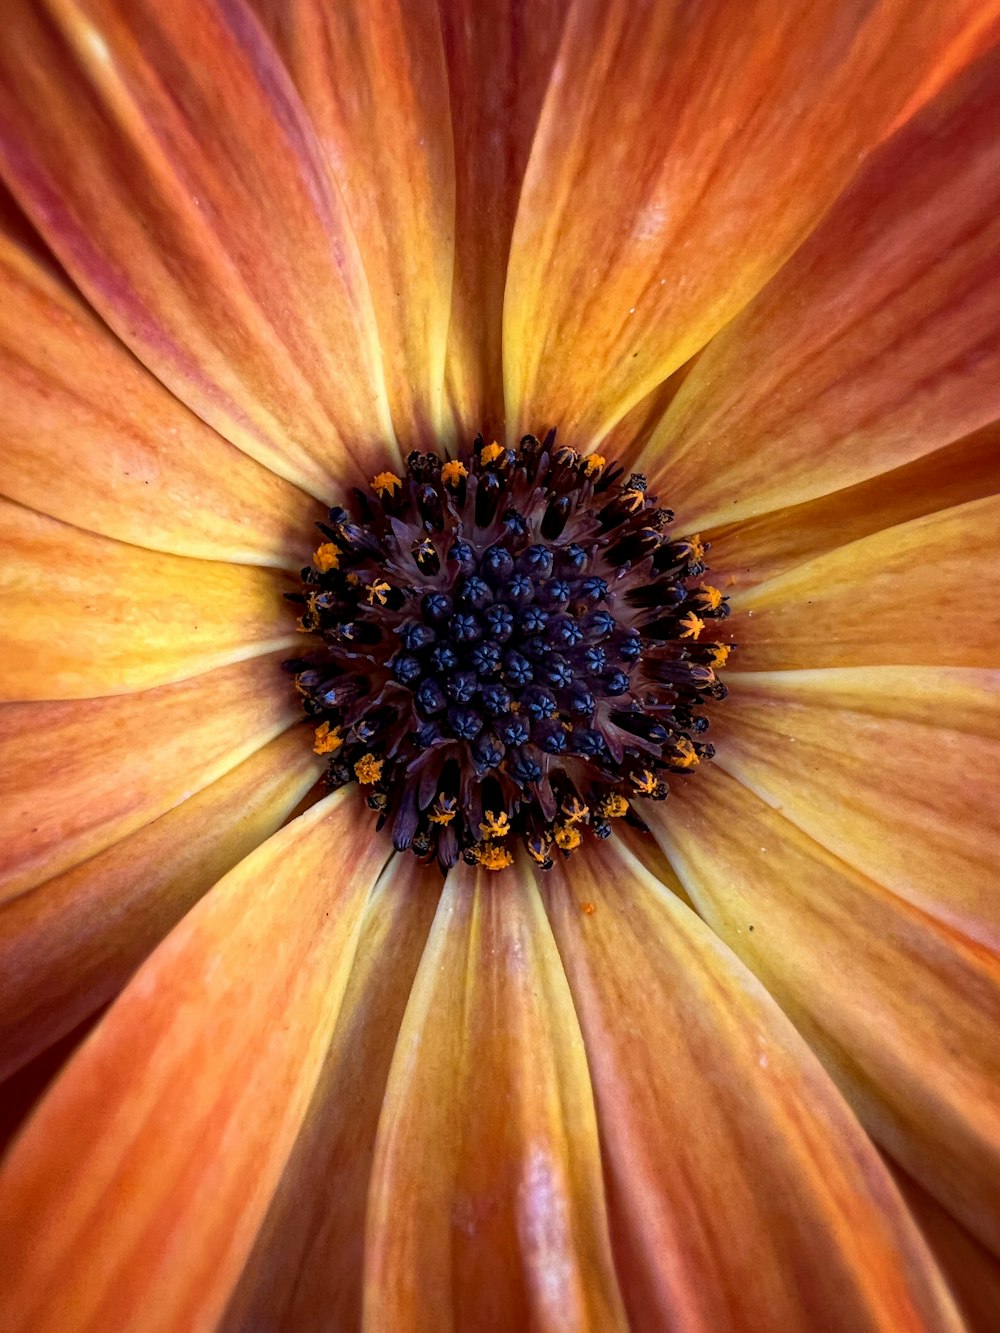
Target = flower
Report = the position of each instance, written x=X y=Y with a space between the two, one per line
x=738 y=1074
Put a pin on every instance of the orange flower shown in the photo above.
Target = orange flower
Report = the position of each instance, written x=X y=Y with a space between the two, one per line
x=738 y=1071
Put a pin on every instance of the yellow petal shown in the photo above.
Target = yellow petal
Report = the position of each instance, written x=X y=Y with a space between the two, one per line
x=85 y=616
x=486 y=1206
x=133 y=1198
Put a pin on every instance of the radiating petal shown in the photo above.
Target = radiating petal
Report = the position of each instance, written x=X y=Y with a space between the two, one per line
x=68 y=946
x=78 y=776
x=85 y=616
x=133 y=1197
x=743 y=1194
x=305 y=1271
x=894 y=770
x=88 y=436
x=486 y=1206
x=878 y=342
x=921 y=593
x=166 y=159
x=683 y=153
x=903 y=1013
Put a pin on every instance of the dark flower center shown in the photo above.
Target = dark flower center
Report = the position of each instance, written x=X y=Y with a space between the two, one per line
x=511 y=650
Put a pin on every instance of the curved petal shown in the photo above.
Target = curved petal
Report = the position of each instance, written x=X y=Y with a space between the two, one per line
x=78 y=776
x=878 y=342
x=85 y=616
x=305 y=1272
x=166 y=159
x=486 y=1206
x=903 y=1013
x=68 y=946
x=645 y=222
x=134 y=1195
x=894 y=770
x=743 y=1194
x=90 y=437
x=921 y=594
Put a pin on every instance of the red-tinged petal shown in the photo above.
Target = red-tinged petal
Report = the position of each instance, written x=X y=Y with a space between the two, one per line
x=980 y=35
x=166 y=159
x=748 y=552
x=85 y=616
x=372 y=76
x=68 y=946
x=305 y=1272
x=743 y=1194
x=921 y=593
x=486 y=1206
x=91 y=438
x=78 y=776
x=134 y=1195
x=682 y=155
x=894 y=770
x=903 y=1012
x=879 y=341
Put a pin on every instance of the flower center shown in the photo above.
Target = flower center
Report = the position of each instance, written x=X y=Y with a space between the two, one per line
x=511 y=651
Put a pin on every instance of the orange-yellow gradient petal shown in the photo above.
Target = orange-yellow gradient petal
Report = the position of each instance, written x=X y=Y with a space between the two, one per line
x=133 y=1198
x=486 y=1206
x=743 y=1194
x=80 y=775
x=166 y=159
x=683 y=153
x=68 y=946
x=84 y=616
x=879 y=341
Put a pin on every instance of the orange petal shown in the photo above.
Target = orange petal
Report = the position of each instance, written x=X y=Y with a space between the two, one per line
x=895 y=770
x=305 y=1271
x=132 y=463
x=877 y=343
x=86 y=616
x=78 y=776
x=903 y=1013
x=486 y=1206
x=743 y=1193
x=68 y=946
x=681 y=158
x=134 y=1196
x=166 y=159
x=919 y=593
x=372 y=76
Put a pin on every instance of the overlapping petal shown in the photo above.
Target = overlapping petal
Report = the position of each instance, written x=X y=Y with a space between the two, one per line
x=166 y=159
x=134 y=1196
x=743 y=1194
x=878 y=342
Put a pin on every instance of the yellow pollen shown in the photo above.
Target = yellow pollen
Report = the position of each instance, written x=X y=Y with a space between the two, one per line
x=693 y=626
x=327 y=557
x=538 y=849
x=453 y=472
x=710 y=597
x=614 y=806
x=685 y=757
x=368 y=769
x=377 y=591
x=491 y=856
x=496 y=826
x=720 y=654
x=588 y=909
x=490 y=453
x=644 y=782
x=633 y=500
x=594 y=465
x=568 y=836
x=575 y=810
x=564 y=454
x=353 y=579
x=424 y=548
x=327 y=739
x=386 y=482
x=697 y=548
x=444 y=810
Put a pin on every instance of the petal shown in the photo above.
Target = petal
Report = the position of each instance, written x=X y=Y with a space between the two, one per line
x=486 y=1206
x=129 y=461
x=372 y=76
x=902 y=1012
x=85 y=616
x=917 y=594
x=743 y=1194
x=895 y=770
x=305 y=1272
x=878 y=342
x=641 y=233
x=135 y=1193
x=78 y=776
x=166 y=159
x=68 y=946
